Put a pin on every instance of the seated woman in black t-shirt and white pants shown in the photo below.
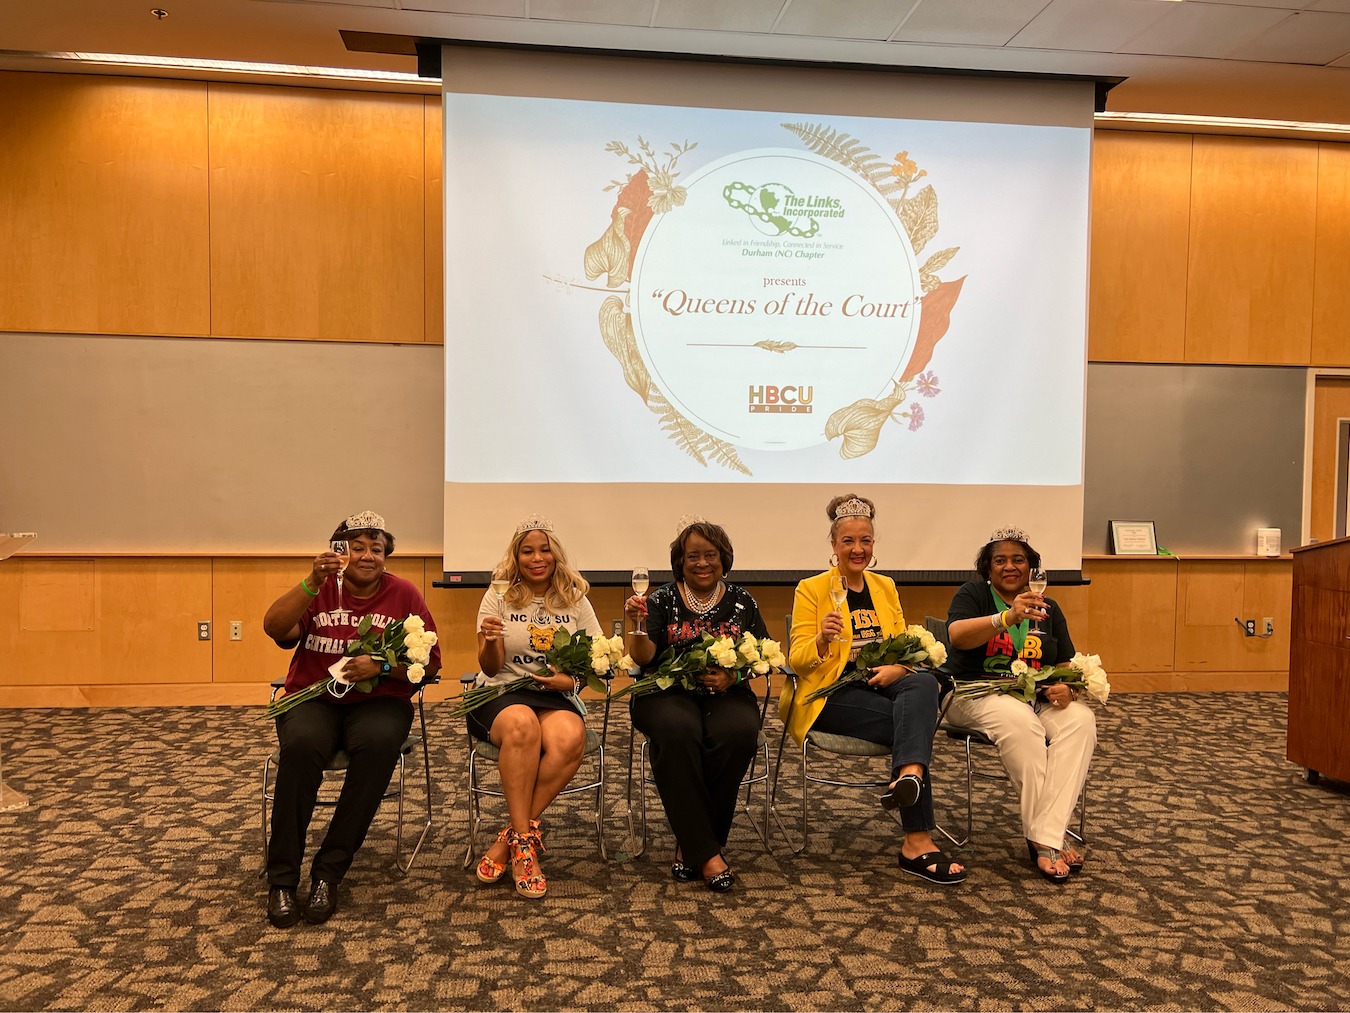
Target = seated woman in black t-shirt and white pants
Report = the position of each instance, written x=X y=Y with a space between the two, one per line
x=1046 y=748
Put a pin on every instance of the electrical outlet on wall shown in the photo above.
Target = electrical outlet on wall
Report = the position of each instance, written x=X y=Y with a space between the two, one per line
x=1268 y=627
x=204 y=630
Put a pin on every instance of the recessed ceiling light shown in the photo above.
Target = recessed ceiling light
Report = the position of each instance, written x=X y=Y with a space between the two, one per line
x=240 y=67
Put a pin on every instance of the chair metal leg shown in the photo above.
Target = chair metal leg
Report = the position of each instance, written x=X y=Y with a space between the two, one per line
x=642 y=800
x=426 y=778
x=750 y=782
x=471 y=833
x=267 y=768
x=773 y=797
x=970 y=784
x=600 y=804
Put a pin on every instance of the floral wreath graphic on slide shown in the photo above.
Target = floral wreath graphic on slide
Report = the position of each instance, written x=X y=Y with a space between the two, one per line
x=650 y=188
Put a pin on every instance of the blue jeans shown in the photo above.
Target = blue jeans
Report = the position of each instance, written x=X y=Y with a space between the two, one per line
x=903 y=716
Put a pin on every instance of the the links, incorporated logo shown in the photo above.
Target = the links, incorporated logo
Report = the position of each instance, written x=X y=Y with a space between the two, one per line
x=791 y=399
x=775 y=210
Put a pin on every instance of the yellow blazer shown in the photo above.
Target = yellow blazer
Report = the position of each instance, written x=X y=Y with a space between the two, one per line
x=810 y=605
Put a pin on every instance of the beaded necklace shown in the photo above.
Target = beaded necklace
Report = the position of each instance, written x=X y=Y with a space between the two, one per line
x=702 y=605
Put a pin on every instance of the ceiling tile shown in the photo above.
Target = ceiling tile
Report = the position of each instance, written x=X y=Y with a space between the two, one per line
x=1092 y=26
x=493 y=8
x=718 y=15
x=1286 y=5
x=602 y=12
x=1342 y=6
x=843 y=19
x=1202 y=29
x=968 y=22
x=1307 y=37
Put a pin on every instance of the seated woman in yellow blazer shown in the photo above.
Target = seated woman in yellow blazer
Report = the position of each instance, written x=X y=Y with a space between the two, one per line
x=896 y=707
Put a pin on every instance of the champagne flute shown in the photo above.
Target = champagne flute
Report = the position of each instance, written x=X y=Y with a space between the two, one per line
x=343 y=550
x=641 y=582
x=1038 y=582
x=500 y=585
x=838 y=595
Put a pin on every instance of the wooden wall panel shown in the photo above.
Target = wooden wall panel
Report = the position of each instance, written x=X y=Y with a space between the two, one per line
x=103 y=205
x=1331 y=403
x=1211 y=594
x=1141 y=191
x=1133 y=609
x=1331 y=277
x=1249 y=291
x=57 y=596
x=143 y=630
x=317 y=216
x=433 y=131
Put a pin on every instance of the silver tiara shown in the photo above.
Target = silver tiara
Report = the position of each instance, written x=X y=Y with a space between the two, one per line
x=1009 y=534
x=535 y=522
x=853 y=507
x=683 y=524
x=365 y=519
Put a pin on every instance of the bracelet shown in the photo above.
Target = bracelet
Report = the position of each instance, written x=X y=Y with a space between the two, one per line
x=1003 y=619
x=312 y=594
x=996 y=620
x=740 y=677
x=578 y=684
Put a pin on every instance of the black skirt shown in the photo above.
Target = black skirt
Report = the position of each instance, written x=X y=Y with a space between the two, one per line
x=480 y=720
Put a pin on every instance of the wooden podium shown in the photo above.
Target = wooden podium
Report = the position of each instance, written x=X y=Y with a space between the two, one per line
x=1319 y=661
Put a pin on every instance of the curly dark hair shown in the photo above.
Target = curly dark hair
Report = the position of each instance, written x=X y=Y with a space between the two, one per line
x=713 y=533
x=985 y=560
x=342 y=531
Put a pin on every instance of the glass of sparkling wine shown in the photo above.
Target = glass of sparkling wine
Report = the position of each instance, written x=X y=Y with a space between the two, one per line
x=641 y=582
x=343 y=550
x=499 y=587
x=838 y=594
x=1038 y=582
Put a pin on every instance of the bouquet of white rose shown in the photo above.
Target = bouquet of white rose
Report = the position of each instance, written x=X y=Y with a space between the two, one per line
x=742 y=659
x=1084 y=671
x=915 y=647
x=576 y=654
x=402 y=641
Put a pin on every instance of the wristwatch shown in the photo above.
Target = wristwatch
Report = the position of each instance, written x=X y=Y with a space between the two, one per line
x=385 y=668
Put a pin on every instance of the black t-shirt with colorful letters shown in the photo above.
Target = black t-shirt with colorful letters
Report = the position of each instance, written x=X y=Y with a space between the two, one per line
x=992 y=659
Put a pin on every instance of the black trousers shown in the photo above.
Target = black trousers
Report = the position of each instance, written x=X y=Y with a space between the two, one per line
x=372 y=733
x=701 y=746
x=903 y=716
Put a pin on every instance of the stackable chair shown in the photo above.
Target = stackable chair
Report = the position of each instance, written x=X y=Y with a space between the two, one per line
x=970 y=738
x=820 y=742
x=748 y=782
x=415 y=743
x=480 y=751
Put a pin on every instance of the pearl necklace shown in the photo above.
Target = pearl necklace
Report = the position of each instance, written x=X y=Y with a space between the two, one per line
x=702 y=605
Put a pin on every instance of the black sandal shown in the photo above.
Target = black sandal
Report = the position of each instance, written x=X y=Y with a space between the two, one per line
x=680 y=872
x=1037 y=853
x=941 y=871
x=903 y=793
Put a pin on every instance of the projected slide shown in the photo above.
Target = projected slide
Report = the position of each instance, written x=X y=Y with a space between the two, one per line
x=657 y=295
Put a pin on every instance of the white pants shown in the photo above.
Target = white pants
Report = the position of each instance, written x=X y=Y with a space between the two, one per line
x=1049 y=777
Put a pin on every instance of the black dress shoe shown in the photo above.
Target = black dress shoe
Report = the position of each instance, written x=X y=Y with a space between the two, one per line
x=721 y=882
x=322 y=902
x=283 y=910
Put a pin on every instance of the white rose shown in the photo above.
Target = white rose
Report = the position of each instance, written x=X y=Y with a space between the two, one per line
x=416 y=673
x=937 y=655
x=776 y=658
x=1097 y=686
x=1018 y=667
x=628 y=664
x=761 y=668
x=725 y=658
x=927 y=640
x=414 y=624
x=768 y=647
x=420 y=655
x=600 y=665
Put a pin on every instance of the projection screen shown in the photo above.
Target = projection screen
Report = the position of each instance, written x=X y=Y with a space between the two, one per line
x=732 y=290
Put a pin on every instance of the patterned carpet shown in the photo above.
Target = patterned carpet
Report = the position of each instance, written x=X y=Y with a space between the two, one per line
x=1217 y=879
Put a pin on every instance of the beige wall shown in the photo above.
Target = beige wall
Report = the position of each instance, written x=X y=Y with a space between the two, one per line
x=202 y=210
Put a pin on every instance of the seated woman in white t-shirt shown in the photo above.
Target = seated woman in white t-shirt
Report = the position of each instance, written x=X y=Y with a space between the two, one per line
x=541 y=735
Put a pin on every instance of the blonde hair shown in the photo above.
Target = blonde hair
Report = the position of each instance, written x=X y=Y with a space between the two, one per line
x=833 y=506
x=568 y=586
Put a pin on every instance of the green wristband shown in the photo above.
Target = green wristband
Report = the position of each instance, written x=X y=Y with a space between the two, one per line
x=305 y=588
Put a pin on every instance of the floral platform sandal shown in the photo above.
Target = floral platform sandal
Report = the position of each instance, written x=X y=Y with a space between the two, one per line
x=525 y=848
x=489 y=871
